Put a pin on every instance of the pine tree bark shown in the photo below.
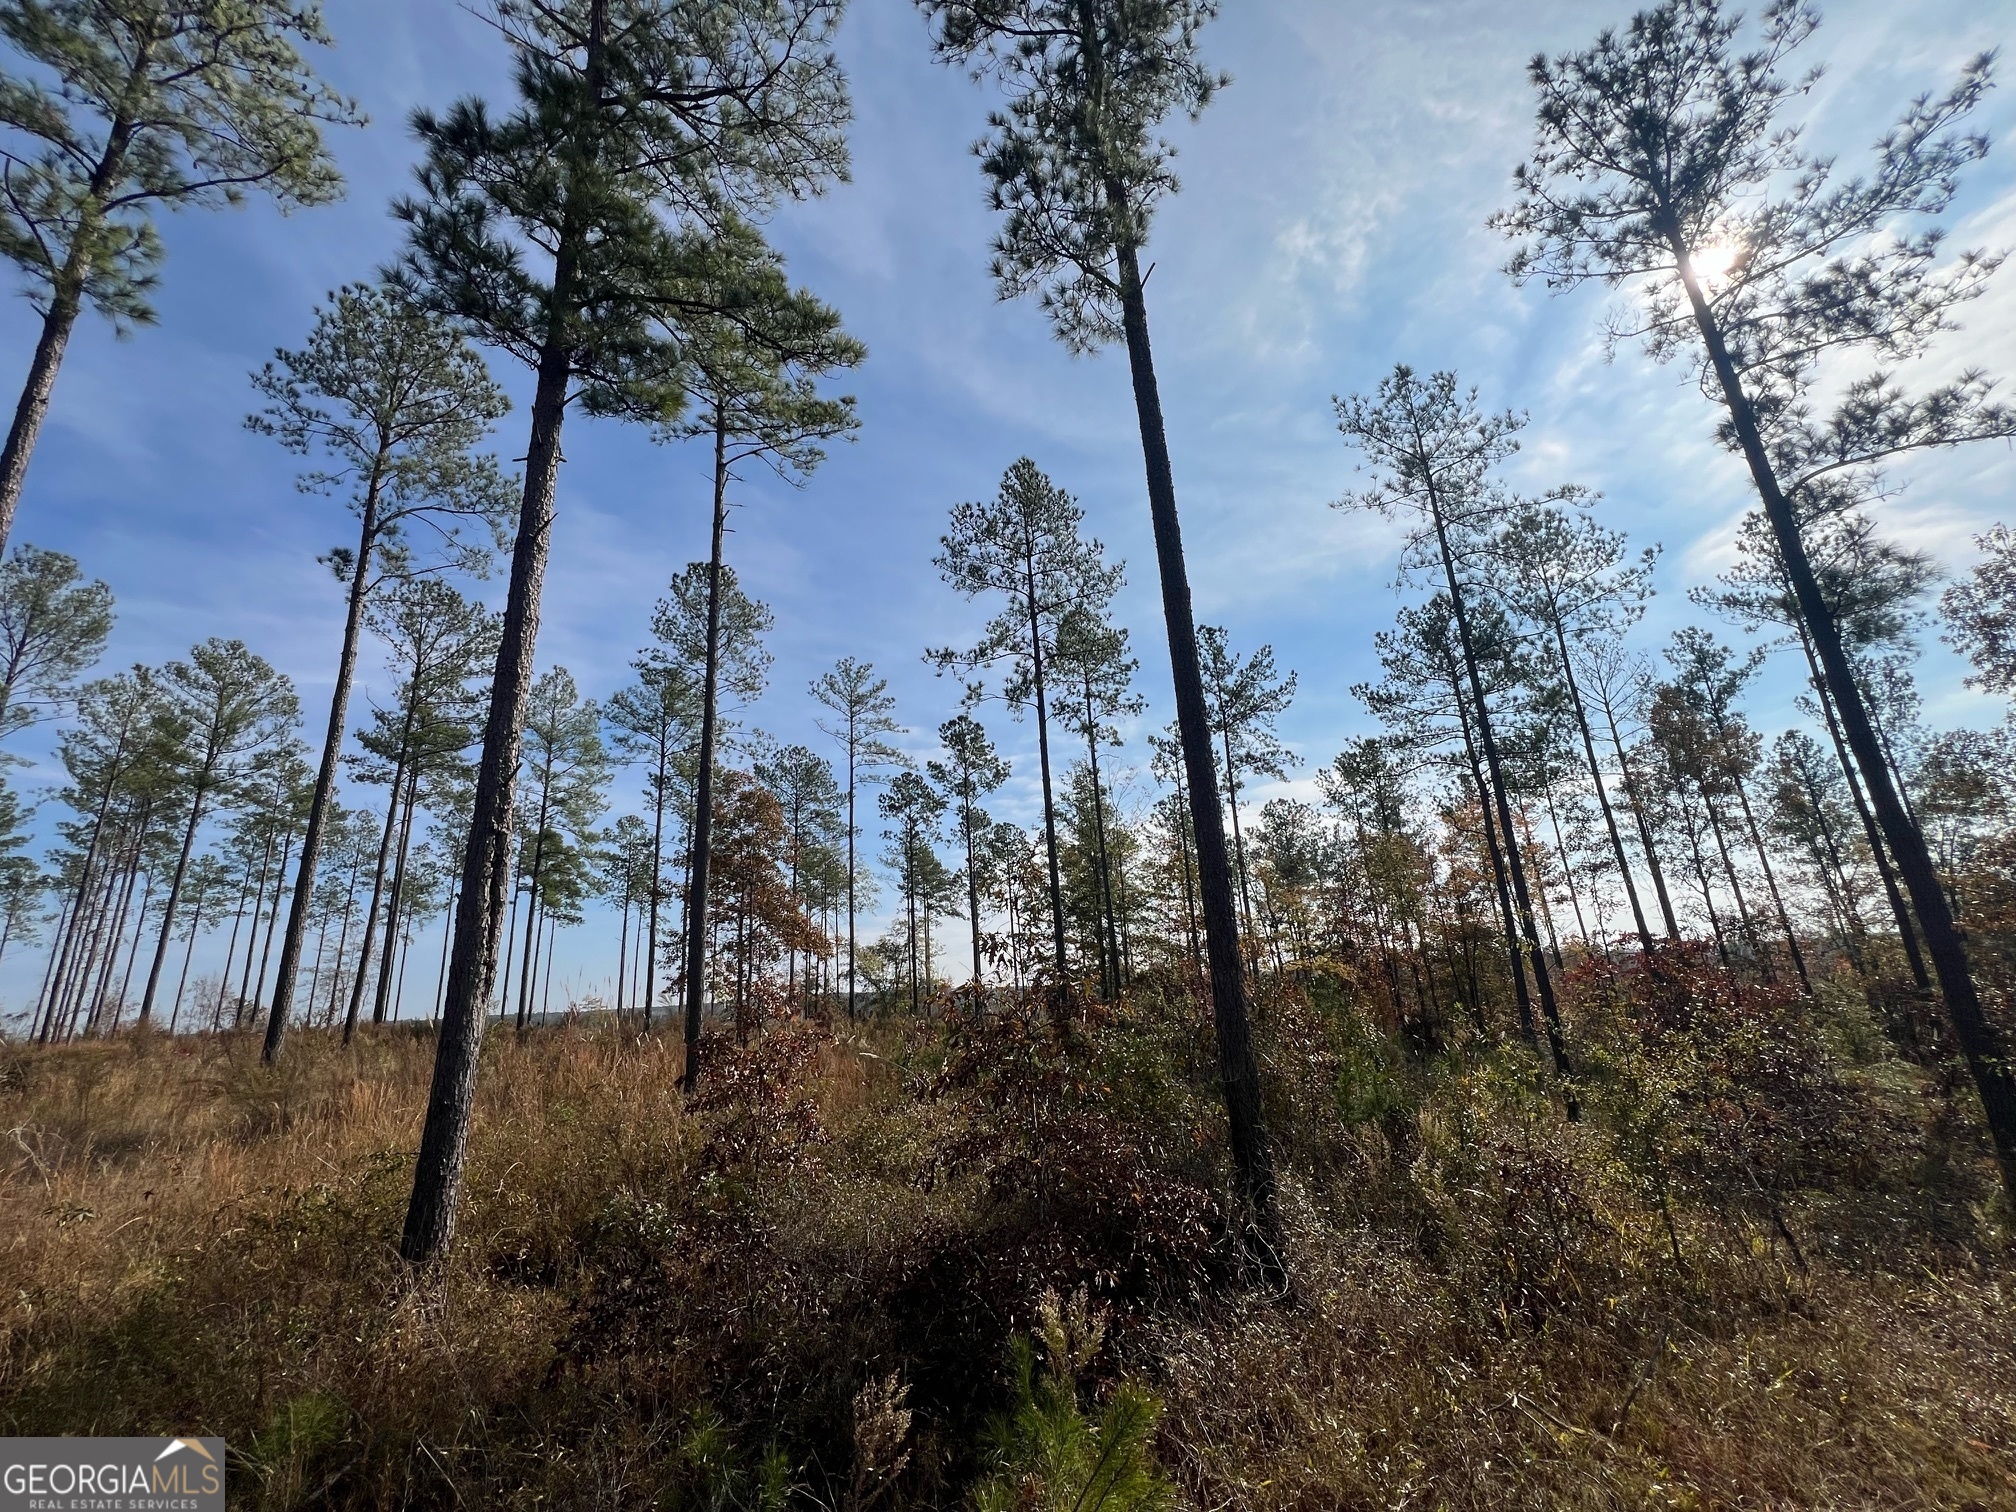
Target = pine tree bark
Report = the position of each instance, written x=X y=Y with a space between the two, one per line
x=1980 y=1043
x=486 y=856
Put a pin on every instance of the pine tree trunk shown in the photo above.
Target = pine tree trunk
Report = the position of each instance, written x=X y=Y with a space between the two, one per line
x=33 y=407
x=272 y=919
x=1550 y=1011
x=850 y=866
x=202 y=792
x=1771 y=885
x=703 y=795
x=356 y=1003
x=67 y=291
x=395 y=904
x=650 y=953
x=1907 y=932
x=1981 y=1044
x=1061 y=969
x=972 y=883
x=486 y=856
x=1515 y=956
x=195 y=924
x=325 y=774
x=1744 y=923
x=1238 y=1070
x=1109 y=943
x=528 y=974
x=1631 y=791
x=1602 y=796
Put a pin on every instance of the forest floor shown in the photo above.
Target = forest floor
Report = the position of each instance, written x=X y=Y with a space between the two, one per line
x=801 y=1289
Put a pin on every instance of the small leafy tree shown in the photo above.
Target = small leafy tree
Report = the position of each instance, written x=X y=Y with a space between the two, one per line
x=1045 y=1453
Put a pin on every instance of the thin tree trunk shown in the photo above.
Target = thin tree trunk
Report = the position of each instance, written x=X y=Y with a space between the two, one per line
x=1744 y=923
x=202 y=791
x=325 y=774
x=1771 y=885
x=394 y=904
x=1515 y=957
x=1109 y=944
x=1645 y=842
x=195 y=923
x=528 y=974
x=703 y=784
x=850 y=866
x=272 y=921
x=1550 y=1011
x=356 y=1003
x=1043 y=762
x=1596 y=780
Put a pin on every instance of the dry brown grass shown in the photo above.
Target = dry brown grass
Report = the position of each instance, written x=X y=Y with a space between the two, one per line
x=646 y=1299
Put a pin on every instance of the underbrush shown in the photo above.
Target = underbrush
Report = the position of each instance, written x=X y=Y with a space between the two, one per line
x=989 y=1259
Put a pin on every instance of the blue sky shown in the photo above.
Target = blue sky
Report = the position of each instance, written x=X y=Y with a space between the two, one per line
x=1331 y=223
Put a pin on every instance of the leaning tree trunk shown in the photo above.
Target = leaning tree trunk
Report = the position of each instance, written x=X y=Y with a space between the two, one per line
x=67 y=294
x=1900 y=911
x=703 y=781
x=1981 y=1044
x=325 y=776
x=1238 y=1068
x=486 y=855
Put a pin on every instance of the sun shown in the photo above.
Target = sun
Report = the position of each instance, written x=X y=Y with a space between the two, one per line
x=1713 y=262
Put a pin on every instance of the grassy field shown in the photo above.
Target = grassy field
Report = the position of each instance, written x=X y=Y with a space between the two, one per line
x=1769 y=1272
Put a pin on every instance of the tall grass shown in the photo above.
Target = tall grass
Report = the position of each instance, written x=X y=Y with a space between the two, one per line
x=1767 y=1269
